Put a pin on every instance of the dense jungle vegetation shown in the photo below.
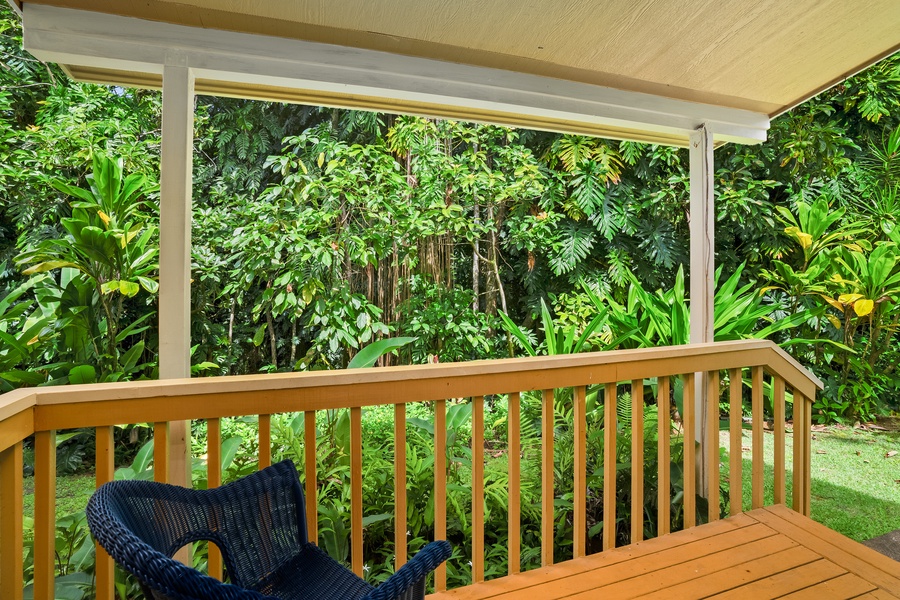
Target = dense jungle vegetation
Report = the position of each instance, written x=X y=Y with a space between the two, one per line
x=318 y=231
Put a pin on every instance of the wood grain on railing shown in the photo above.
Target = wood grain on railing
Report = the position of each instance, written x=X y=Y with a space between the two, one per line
x=477 y=489
x=778 y=416
x=547 y=497
x=356 y=495
x=399 y=485
x=161 y=451
x=688 y=420
x=637 y=460
x=712 y=441
x=265 y=441
x=735 y=447
x=579 y=514
x=11 y=503
x=440 y=486
x=213 y=480
x=104 y=568
x=44 y=514
x=309 y=472
x=609 y=466
x=756 y=411
x=515 y=473
x=799 y=439
x=664 y=433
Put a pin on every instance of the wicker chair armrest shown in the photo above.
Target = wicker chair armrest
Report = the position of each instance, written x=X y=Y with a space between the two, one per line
x=424 y=562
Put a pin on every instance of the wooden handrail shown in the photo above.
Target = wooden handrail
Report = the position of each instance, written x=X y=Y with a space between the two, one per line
x=100 y=406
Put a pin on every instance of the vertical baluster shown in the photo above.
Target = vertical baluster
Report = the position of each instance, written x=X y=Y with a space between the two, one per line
x=664 y=446
x=213 y=480
x=637 y=460
x=104 y=570
x=399 y=485
x=477 y=489
x=756 y=374
x=778 y=416
x=515 y=474
x=807 y=450
x=161 y=452
x=311 y=490
x=609 y=466
x=44 y=514
x=547 y=422
x=265 y=441
x=735 y=424
x=799 y=438
x=11 y=561
x=689 y=422
x=440 y=486
x=712 y=441
x=356 y=498
x=579 y=517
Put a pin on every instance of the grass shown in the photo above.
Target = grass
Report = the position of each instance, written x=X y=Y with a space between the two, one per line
x=855 y=486
x=72 y=493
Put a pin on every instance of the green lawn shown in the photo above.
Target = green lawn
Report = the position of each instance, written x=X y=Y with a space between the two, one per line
x=72 y=493
x=855 y=486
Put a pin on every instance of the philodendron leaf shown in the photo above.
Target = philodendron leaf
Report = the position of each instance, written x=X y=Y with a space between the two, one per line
x=371 y=353
x=82 y=374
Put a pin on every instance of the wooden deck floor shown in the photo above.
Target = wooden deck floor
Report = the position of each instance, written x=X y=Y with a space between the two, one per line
x=767 y=553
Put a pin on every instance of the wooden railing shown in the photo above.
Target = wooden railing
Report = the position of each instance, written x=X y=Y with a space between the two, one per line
x=42 y=411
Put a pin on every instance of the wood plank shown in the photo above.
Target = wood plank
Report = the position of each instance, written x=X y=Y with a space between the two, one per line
x=477 y=489
x=807 y=459
x=265 y=441
x=399 y=485
x=735 y=426
x=786 y=582
x=609 y=466
x=688 y=420
x=664 y=442
x=311 y=490
x=845 y=586
x=547 y=422
x=356 y=496
x=11 y=502
x=712 y=444
x=161 y=451
x=778 y=426
x=104 y=569
x=514 y=441
x=213 y=480
x=440 y=486
x=853 y=556
x=757 y=415
x=661 y=571
x=637 y=460
x=654 y=548
x=44 y=514
x=16 y=428
x=735 y=571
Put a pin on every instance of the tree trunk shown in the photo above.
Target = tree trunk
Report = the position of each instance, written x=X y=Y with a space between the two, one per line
x=476 y=274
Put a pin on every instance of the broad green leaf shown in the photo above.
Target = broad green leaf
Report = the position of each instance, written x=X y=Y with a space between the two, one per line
x=82 y=374
x=368 y=355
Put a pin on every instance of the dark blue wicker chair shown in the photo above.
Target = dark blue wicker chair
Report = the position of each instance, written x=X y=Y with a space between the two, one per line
x=259 y=525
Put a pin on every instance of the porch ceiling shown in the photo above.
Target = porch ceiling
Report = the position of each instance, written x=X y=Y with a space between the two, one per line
x=738 y=63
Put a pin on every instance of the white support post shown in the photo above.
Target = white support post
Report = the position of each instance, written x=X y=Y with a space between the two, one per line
x=176 y=159
x=702 y=275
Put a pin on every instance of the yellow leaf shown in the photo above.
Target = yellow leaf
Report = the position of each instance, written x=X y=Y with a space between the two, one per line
x=103 y=217
x=834 y=303
x=834 y=321
x=849 y=298
x=863 y=307
x=804 y=238
x=321 y=160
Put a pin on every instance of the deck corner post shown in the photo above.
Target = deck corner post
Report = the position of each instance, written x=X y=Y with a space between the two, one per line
x=702 y=277
x=176 y=179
